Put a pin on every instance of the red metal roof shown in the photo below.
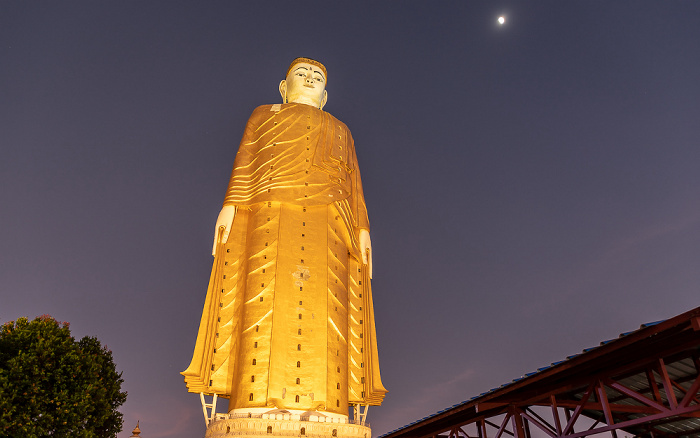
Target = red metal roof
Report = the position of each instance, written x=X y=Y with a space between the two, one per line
x=644 y=382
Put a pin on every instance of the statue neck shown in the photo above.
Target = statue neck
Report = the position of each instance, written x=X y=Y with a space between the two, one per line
x=305 y=101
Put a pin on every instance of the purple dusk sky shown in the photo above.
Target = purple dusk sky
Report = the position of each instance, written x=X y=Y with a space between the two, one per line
x=533 y=188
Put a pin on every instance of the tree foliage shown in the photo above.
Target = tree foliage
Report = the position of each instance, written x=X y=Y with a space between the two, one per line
x=53 y=385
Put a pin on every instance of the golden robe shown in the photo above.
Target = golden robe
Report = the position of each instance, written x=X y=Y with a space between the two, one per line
x=288 y=321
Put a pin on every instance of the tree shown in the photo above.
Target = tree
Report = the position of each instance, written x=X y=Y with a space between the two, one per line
x=53 y=385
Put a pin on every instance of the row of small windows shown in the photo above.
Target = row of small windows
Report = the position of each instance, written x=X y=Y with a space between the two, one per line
x=301 y=432
x=255 y=362
x=296 y=400
x=298 y=381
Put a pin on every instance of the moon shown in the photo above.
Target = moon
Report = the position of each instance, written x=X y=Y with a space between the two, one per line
x=501 y=19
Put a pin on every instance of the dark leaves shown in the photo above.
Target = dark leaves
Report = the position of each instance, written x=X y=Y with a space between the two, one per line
x=51 y=385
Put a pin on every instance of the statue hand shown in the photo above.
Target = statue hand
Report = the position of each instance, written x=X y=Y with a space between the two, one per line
x=366 y=248
x=224 y=221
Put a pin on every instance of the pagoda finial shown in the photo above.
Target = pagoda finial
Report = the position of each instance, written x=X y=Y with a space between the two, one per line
x=136 y=432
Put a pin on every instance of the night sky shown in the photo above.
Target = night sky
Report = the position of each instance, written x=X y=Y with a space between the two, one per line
x=533 y=188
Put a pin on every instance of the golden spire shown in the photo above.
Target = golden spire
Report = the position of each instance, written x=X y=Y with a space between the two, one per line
x=136 y=432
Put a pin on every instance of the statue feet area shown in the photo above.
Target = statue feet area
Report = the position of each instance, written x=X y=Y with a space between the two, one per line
x=285 y=423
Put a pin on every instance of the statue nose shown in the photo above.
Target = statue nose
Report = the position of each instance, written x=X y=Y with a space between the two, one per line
x=309 y=80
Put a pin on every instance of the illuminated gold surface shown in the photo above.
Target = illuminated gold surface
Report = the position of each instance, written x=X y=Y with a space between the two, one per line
x=288 y=318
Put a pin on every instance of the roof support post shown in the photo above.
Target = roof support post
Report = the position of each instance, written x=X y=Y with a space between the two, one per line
x=207 y=416
x=690 y=395
x=517 y=420
x=603 y=397
x=570 y=424
x=481 y=428
x=555 y=414
x=531 y=416
x=654 y=387
x=503 y=425
x=666 y=381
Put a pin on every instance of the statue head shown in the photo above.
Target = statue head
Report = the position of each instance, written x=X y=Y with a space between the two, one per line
x=305 y=83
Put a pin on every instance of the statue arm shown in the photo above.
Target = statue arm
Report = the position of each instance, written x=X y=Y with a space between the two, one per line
x=242 y=160
x=362 y=218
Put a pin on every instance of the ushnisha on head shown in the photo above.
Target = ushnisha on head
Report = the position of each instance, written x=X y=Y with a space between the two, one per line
x=305 y=83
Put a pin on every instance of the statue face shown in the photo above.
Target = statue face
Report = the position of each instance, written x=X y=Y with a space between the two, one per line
x=305 y=84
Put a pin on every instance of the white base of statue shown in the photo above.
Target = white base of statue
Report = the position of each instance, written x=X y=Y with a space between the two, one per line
x=310 y=425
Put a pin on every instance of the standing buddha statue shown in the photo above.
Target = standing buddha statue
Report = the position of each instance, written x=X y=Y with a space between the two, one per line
x=288 y=322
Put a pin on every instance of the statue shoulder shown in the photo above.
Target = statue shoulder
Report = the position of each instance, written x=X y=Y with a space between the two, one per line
x=262 y=110
x=261 y=114
x=338 y=122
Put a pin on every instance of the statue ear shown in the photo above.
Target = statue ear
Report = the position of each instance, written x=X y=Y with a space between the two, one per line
x=283 y=90
x=324 y=99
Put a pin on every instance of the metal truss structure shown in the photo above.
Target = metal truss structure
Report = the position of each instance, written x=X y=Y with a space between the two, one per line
x=645 y=383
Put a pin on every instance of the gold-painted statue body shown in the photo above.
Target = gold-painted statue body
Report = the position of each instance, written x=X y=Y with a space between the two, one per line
x=288 y=321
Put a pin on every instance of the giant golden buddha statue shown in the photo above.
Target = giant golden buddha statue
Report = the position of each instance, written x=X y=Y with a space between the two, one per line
x=288 y=322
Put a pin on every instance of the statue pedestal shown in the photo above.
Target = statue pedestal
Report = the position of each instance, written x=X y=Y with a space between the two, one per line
x=276 y=425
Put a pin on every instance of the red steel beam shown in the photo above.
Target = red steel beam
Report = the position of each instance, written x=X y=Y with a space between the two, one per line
x=666 y=381
x=555 y=413
x=691 y=411
x=635 y=395
x=539 y=424
x=570 y=424
x=604 y=402
x=595 y=406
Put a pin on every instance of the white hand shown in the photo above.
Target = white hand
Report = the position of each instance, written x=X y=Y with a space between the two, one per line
x=366 y=248
x=224 y=221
